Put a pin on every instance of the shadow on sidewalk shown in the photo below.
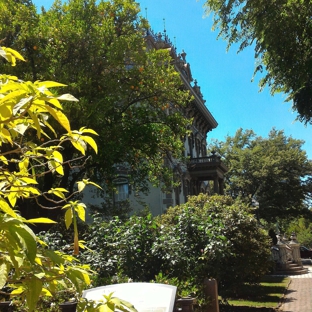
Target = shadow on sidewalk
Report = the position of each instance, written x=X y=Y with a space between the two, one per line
x=245 y=309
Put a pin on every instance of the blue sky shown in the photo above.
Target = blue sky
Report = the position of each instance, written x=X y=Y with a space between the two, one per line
x=224 y=77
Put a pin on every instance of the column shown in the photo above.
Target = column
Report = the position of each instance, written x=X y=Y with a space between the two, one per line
x=216 y=185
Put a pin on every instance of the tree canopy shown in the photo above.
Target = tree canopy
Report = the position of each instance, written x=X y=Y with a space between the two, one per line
x=272 y=171
x=280 y=32
x=126 y=90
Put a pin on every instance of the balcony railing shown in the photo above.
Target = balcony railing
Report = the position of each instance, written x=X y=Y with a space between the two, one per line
x=206 y=159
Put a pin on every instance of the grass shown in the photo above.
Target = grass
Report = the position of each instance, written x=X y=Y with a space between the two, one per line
x=264 y=296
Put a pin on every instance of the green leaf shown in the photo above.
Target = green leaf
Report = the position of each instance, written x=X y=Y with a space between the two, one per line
x=107 y=307
x=55 y=257
x=33 y=292
x=27 y=240
x=40 y=275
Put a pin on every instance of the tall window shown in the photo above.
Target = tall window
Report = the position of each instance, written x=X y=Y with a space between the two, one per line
x=122 y=192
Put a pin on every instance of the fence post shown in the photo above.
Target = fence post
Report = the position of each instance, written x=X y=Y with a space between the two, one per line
x=211 y=290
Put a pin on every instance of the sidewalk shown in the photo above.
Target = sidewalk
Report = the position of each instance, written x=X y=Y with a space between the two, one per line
x=298 y=297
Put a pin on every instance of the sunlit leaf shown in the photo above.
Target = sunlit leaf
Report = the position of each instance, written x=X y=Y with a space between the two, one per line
x=39 y=220
x=60 y=117
x=18 y=290
x=67 y=97
x=59 y=192
x=49 y=84
x=81 y=186
x=46 y=292
x=87 y=130
x=14 y=53
x=79 y=146
x=68 y=217
x=91 y=142
x=80 y=209
x=4 y=206
x=4 y=271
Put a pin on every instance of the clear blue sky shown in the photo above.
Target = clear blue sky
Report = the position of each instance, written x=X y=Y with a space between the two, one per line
x=224 y=77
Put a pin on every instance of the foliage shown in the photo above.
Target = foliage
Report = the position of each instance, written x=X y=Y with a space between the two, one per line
x=122 y=248
x=108 y=209
x=126 y=90
x=217 y=237
x=186 y=288
x=192 y=244
x=303 y=230
x=28 y=269
x=109 y=303
x=273 y=171
x=280 y=32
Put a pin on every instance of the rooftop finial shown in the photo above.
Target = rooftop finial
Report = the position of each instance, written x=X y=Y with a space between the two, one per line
x=146 y=13
x=164 y=25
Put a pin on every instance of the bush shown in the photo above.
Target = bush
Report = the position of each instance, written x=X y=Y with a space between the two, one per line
x=119 y=249
x=215 y=237
x=191 y=244
x=234 y=248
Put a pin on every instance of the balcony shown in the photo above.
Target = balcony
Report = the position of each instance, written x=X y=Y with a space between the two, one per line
x=208 y=168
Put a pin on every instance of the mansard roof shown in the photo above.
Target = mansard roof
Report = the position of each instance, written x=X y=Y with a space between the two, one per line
x=162 y=41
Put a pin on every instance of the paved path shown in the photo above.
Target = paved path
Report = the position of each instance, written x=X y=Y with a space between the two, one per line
x=298 y=297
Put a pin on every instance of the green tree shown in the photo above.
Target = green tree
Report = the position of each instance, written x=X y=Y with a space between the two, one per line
x=280 y=32
x=303 y=230
x=273 y=171
x=125 y=88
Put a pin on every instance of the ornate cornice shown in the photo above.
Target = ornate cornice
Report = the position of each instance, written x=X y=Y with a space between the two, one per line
x=162 y=41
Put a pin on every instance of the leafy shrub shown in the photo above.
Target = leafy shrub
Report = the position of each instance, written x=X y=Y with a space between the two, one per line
x=234 y=248
x=119 y=249
x=191 y=244
x=214 y=237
